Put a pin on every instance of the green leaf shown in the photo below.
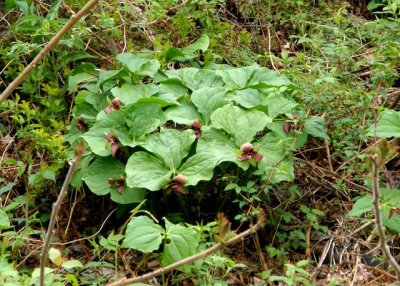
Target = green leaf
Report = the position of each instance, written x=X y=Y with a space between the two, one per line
x=216 y=145
x=104 y=168
x=315 y=126
x=195 y=78
x=143 y=234
x=75 y=80
x=188 y=53
x=208 y=99
x=278 y=105
x=170 y=145
x=181 y=242
x=129 y=93
x=183 y=113
x=142 y=118
x=277 y=162
x=112 y=124
x=53 y=11
x=70 y=264
x=361 y=206
x=202 y=44
x=242 y=124
x=8 y=187
x=27 y=7
x=139 y=65
x=388 y=124
x=144 y=170
x=197 y=168
x=171 y=90
x=4 y=220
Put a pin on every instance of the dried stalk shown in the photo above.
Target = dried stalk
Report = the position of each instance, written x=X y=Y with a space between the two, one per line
x=203 y=254
x=79 y=149
x=74 y=18
x=378 y=217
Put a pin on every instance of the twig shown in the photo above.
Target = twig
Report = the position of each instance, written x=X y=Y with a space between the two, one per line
x=378 y=216
x=203 y=254
x=79 y=149
x=74 y=18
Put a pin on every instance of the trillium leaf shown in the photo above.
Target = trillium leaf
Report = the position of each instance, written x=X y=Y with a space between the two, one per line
x=183 y=113
x=237 y=78
x=242 y=124
x=144 y=170
x=277 y=105
x=129 y=93
x=171 y=145
x=112 y=124
x=315 y=126
x=197 y=168
x=97 y=178
x=195 y=79
x=208 y=99
x=249 y=98
x=181 y=242
x=142 y=118
x=217 y=145
x=277 y=162
x=388 y=124
x=143 y=234
x=141 y=65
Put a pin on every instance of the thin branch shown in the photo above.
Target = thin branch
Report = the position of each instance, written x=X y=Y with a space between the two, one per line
x=203 y=254
x=74 y=18
x=378 y=217
x=79 y=149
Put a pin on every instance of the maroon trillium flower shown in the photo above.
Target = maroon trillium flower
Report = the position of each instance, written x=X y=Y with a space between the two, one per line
x=119 y=183
x=248 y=153
x=288 y=126
x=392 y=211
x=114 y=105
x=196 y=127
x=177 y=184
x=114 y=143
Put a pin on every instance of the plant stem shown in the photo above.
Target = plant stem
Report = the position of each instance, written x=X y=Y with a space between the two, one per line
x=74 y=18
x=378 y=217
x=56 y=207
x=203 y=254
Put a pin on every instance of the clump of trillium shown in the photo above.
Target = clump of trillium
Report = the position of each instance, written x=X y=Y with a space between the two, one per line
x=176 y=184
x=114 y=142
x=118 y=183
x=196 y=127
x=112 y=105
x=288 y=126
x=249 y=153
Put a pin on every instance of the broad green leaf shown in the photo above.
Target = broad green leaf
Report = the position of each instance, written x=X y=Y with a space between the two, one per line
x=7 y=269
x=75 y=80
x=142 y=118
x=188 y=53
x=388 y=124
x=208 y=99
x=242 y=124
x=361 y=206
x=36 y=272
x=143 y=234
x=170 y=145
x=201 y=44
x=70 y=264
x=197 y=168
x=171 y=90
x=129 y=93
x=278 y=105
x=390 y=198
x=249 y=98
x=237 y=78
x=195 y=78
x=181 y=242
x=214 y=144
x=139 y=64
x=277 y=162
x=264 y=77
x=183 y=113
x=55 y=256
x=315 y=126
x=104 y=168
x=112 y=124
x=4 y=220
x=27 y=7
x=110 y=75
x=144 y=170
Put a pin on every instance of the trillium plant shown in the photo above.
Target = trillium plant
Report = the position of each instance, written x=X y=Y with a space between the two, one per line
x=148 y=129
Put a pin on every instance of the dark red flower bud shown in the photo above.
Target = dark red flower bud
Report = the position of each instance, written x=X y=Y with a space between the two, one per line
x=196 y=124
x=295 y=116
x=114 y=143
x=115 y=103
x=287 y=127
x=179 y=179
x=247 y=147
x=258 y=157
